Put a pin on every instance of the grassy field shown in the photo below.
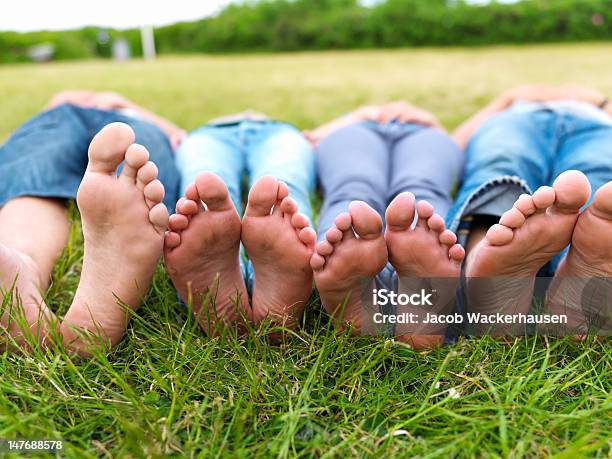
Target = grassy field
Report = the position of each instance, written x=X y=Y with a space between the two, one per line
x=170 y=390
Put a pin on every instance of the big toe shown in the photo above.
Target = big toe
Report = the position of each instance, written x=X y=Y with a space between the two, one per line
x=366 y=221
x=108 y=147
x=572 y=190
x=262 y=197
x=602 y=202
x=213 y=192
x=400 y=213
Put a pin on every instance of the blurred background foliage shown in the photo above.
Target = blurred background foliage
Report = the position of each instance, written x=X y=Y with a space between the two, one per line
x=295 y=25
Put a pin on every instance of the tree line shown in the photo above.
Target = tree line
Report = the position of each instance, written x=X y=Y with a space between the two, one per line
x=297 y=25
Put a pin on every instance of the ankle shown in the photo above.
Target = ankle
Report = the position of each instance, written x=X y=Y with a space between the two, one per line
x=41 y=281
x=34 y=272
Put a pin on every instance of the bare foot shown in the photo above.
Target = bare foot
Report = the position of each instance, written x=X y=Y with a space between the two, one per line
x=124 y=222
x=279 y=243
x=536 y=229
x=202 y=253
x=20 y=298
x=582 y=285
x=353 y=253
x=424 y=257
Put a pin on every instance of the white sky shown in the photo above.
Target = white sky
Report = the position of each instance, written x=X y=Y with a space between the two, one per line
x=28 y=15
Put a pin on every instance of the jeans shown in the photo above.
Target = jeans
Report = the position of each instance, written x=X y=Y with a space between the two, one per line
x=523 y=148
x=254 y=148
x=47 y=156
x=374 y=163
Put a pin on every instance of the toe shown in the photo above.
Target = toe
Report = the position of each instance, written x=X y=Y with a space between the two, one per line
x=343 y=221
x=400 y=213
x=525 y=204
x=213 y=192
x=288 y=206
x=159 y=216
x=424 y=211
x=154 y=193
x=283 y=191
x=187 y=207
x=308 y=237
x=436 y=223
x=572 y=191
x=334 y=235
x=262 y=197
x=543 y=198
x=178 y=222
x=366 y=221
x=299 y=221
x=499 y=235
x=146 y=174
x=325 y=248
x=447 y=237
x=192 y=192
x=456 y=253
x=136 y=156
x=172 y=240
x=108 y=147
x=317 y=262
x=513 y=218
x=602 y=202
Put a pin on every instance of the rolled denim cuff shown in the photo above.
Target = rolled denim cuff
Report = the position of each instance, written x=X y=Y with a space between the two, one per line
x=494 y=197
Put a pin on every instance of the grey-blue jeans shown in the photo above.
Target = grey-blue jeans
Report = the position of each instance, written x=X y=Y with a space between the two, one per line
x=374 y=163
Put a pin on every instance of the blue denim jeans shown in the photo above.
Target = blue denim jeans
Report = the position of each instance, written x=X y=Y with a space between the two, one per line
x=374 y=162
x=523 y=148
x=47 y=156
x=254 y=149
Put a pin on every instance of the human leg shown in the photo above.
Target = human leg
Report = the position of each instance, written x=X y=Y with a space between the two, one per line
x=426 y=163
x=41 y=166
x=276 y=230
x=512 y=154
x=353 y=165
x=424 y=166
x=202 y=249
x=123 y=236
x=581 y=284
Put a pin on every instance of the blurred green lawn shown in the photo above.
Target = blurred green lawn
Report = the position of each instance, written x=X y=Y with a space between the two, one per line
x=308 y=88
x=169 y=390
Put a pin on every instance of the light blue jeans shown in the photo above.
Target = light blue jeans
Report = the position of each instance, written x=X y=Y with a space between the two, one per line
x=525 y=147
x=252 y=149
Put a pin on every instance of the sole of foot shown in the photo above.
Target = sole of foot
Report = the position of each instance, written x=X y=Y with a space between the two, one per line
x=124 y=221
x=427 y=257
x=279 y=243
x=351 y=255
x=582 y=283
x=501 y=268
x=202 y=254
x=23 y=311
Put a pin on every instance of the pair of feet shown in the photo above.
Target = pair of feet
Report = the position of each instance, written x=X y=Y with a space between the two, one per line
x=537 y=228
x=202 y=253
x=124 y=221
x=355 y=250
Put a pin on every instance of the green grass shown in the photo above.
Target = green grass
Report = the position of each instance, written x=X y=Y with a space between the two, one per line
x=167 y=389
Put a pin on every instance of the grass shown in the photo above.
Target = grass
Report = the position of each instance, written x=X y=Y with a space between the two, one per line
x=167 y=389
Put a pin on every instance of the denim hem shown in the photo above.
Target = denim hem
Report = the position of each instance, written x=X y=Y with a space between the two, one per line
x=37 y=194
x=238 y=122
x=487 y=186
